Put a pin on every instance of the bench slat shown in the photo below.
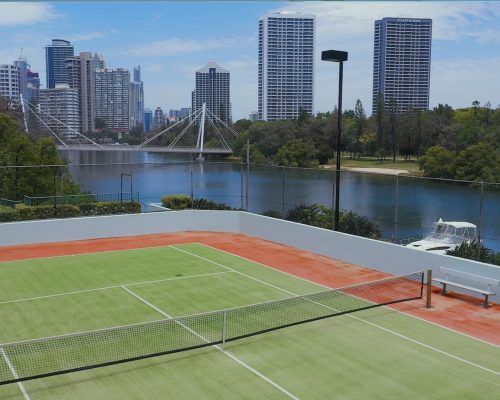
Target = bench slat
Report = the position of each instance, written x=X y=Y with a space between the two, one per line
x=463 y=286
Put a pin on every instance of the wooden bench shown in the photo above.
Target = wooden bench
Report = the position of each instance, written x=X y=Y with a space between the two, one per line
x=453 y=275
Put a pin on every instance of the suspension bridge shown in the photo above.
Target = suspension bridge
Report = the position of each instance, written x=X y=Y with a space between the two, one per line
x=210 y=131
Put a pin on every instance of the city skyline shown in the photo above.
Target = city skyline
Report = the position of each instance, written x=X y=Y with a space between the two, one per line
x=466 y=48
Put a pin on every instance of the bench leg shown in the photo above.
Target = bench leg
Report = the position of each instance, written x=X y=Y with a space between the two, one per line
x=485 y=304
x=443 y=292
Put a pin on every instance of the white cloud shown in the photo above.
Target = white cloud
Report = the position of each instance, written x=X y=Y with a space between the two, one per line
x=82 y=37
x=12 y=14
x=174 y=46
x=464 y=82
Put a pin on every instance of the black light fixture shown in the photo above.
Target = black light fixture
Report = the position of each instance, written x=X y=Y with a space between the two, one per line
x=340 y=57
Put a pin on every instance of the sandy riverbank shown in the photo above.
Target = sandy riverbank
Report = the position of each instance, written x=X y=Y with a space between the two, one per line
x=369 y=170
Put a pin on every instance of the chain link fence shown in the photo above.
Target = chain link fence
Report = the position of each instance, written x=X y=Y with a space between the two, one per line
x=405 y=208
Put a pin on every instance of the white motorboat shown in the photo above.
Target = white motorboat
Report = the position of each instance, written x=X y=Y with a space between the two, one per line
x=447 y=235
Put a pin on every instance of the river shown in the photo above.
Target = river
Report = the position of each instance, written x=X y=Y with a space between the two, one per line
x=420 y=202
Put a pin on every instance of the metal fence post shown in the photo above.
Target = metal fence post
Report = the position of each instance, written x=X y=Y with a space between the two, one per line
x=224 y=328
x=192 y=183
x=241 y=186
x=248 y=172
x=480 y=225
x=283 y=192
x=333 y=201
x=396 y=206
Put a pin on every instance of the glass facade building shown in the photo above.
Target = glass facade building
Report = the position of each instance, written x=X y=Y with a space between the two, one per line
x=55 y=62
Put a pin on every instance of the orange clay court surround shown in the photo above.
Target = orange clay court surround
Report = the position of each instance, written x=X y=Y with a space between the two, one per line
x=458 y=312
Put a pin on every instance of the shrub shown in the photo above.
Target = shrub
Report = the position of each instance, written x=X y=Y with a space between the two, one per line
x=204 y=204
x=183 y=201
x=355 y=224
x=110 y=208
x=272 y=214
x=27 y=213
x=177 y=201
x=24 y=213
x=322 y=217
x=8 y=215
x=475 y=251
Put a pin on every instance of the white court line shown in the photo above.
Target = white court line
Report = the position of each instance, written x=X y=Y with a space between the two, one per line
x=227 y=353
x=329 y=287
x=114 y=287
x=14 y=374
x=83 y=254
x=359 y=319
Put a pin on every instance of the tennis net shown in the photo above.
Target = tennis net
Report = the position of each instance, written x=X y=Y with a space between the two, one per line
x=21 y=361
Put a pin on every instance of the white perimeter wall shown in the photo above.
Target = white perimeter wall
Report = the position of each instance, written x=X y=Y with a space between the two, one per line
x=369 y=253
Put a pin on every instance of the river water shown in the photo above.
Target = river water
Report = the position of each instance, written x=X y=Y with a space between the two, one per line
x=420 y=202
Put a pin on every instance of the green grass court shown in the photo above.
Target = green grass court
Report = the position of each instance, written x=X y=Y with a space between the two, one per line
x=373 y=354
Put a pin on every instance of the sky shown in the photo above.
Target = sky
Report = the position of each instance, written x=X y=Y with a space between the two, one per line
x=170 y=40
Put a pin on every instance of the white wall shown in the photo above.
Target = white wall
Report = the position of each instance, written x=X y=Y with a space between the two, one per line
x=383 y=256
x=57 y=230
x=369 y=253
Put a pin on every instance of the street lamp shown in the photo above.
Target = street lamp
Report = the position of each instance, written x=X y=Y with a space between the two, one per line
x=340 y=57
x=121 y=186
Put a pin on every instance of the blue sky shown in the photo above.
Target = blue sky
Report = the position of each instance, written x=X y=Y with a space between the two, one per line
x=170 y=40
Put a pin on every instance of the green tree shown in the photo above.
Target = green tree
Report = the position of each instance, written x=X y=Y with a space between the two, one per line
x=20 y=150
x=438 y=162
x=297 y=153
x=479 y=162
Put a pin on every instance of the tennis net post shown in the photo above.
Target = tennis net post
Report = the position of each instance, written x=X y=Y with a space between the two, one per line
x=428 y=293
x=224 y=328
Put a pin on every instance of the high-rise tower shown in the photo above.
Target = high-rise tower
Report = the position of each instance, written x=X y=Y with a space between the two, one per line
x=55 y=65
x=81 y=76
x=137 y=100
x=213 y=88
x=402 y=63
x=286 y=65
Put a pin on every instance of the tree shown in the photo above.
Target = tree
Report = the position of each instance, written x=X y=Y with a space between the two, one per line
x=438 y=162
x=393 y=123
x=297 y=153
x=19 y=149
x=360 y=124
x=479 y=162
x=303 y=116
x=380 y=117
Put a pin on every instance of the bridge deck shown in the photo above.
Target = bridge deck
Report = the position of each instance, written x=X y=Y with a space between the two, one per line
x=150 y=149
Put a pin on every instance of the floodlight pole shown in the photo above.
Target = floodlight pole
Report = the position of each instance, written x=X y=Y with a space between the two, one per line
x=339 y=142
x=340 y=57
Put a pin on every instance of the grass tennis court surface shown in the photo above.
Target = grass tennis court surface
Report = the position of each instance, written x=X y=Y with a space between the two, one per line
x=377 y=353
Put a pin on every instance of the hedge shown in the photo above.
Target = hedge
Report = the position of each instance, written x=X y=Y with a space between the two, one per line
x=177 y=201
x=182 y=202
x=108 y=208
x=26 y=213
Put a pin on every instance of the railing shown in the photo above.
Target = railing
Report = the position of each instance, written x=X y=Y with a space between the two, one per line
x=81 y=198
x=9 y=203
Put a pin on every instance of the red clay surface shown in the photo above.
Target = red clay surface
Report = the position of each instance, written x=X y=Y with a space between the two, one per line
x=458 y=312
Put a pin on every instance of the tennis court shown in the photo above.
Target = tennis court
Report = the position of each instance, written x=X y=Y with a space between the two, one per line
x=373 y=353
